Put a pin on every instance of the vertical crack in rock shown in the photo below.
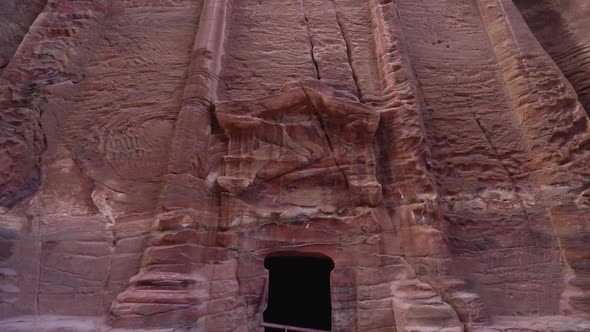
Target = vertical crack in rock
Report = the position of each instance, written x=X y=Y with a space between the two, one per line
x=325 y=131
x=348 y=52
x=395 y=7
x=313 y=60
x=509 y=175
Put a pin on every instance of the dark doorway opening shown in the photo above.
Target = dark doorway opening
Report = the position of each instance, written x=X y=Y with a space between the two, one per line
x=299 y=292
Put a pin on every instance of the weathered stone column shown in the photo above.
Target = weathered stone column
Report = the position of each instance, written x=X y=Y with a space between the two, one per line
x=414 y=203
x=176 y=280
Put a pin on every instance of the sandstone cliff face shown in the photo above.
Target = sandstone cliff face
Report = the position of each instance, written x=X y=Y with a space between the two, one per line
x=153 y=154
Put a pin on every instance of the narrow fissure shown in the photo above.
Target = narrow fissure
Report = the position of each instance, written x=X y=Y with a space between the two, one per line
x=313 y=60
x=348 y=52
x=324 y=129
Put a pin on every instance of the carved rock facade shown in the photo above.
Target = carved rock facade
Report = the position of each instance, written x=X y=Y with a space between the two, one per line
x=153 y=155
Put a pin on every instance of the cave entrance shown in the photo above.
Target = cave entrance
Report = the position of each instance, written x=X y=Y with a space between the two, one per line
x=298 y=293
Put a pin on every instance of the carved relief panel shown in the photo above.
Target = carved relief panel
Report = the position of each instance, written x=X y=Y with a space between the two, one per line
x=296 y=155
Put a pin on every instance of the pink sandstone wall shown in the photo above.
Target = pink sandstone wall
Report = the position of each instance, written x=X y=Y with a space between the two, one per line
x=154 y=152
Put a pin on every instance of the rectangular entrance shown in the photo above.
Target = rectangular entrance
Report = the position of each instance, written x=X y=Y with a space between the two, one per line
x=298 y=293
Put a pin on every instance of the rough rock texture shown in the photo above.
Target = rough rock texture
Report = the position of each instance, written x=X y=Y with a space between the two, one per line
x=16 y=18
x=153 y=153
x=570 y=20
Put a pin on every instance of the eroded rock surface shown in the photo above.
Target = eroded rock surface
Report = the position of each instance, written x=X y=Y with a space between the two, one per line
x=153 y=154
x=17 y=17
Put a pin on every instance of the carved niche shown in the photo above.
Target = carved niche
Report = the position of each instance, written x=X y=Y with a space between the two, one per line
x=297 y=154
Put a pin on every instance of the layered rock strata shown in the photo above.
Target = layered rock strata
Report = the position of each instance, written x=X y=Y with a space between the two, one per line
x=155 y=153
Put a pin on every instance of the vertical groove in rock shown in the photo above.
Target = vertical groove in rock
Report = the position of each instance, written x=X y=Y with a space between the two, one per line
x=354 y=22
x=330 y=48
x=311 y=50
x=348 y=51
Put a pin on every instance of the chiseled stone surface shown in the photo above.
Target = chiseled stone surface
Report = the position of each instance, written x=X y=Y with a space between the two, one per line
x=153 y=153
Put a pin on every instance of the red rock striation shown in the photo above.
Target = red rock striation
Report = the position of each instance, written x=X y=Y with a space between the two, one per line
x=153 y=155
